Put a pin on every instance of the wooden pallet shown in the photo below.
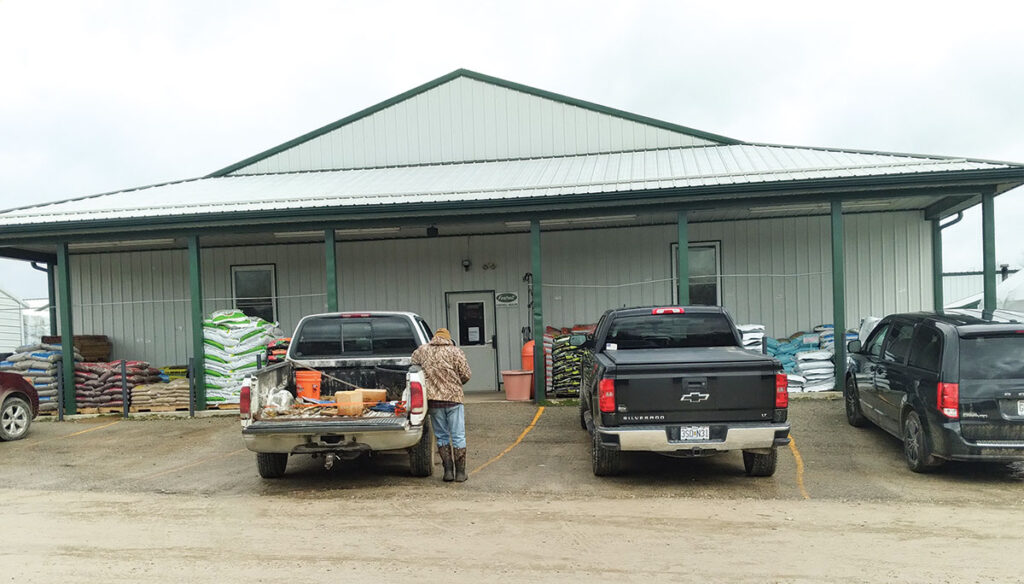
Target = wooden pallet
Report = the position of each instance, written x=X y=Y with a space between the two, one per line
x=222 y=406
x=154 y=409
x=101 y=410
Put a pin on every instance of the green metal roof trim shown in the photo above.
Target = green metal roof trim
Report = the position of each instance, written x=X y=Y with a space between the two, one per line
x=485 y=79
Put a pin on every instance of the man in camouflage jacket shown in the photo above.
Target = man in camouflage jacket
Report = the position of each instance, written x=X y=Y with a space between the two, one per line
x=445 y=370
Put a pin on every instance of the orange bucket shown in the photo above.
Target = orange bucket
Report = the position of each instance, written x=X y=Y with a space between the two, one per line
x=307 y=384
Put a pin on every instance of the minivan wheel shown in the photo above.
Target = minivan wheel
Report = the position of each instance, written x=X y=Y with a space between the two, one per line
x=854 y=415
x=915 y=445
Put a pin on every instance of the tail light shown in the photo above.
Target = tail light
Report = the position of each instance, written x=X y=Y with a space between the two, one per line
x=948 y=400
x=668 y=311
x=781 y=390
x=606 y=395
x=415 y=397
x=245 y=401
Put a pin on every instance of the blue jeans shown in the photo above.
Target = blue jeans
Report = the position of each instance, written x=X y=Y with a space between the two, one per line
x=449 y=425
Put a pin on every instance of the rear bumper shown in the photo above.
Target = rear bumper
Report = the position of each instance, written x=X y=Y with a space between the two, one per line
x=308 y=438
x=738 y=436
x=956 y=447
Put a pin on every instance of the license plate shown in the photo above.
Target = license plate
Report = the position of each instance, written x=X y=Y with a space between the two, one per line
x=1020 y=407
x=694 y=433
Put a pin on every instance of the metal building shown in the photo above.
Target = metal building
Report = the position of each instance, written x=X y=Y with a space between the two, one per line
x=12 y=325
x=497 y=209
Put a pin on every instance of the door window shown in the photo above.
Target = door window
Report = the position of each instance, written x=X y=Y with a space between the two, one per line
x=705 y=274
x=471 y=323
x=254 y=290
x=876 y=341
x=895 y=351
x=926 y=349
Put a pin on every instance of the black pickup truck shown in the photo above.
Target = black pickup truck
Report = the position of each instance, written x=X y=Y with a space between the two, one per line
x=676 y=381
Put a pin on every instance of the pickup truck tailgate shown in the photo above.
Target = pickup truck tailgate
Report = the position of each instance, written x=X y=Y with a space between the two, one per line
x=726 y=384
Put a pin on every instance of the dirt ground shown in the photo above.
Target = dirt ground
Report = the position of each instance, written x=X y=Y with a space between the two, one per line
x=169 y=500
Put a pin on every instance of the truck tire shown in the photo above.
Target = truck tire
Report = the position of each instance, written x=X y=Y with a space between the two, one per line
x=271 y=464
x=915 y=445
x=854 y=415
x=15 y=418
x=607 y=462
x=421 y=456
x=760 y=465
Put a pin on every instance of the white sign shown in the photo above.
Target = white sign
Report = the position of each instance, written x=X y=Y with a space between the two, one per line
x=474 y=334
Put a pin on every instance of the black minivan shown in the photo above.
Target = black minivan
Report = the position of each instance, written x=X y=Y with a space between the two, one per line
x=951 y=385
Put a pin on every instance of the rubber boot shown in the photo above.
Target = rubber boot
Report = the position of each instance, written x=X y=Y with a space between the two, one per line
x=460 y=465
x=448 y=461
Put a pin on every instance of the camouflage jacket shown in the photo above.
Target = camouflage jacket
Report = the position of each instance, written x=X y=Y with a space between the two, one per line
x=444 y=368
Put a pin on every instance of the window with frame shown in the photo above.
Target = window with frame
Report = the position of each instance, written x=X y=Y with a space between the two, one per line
x=705 y=273
x=254 y=289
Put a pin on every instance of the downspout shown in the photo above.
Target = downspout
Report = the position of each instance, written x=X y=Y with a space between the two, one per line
x=937 y=271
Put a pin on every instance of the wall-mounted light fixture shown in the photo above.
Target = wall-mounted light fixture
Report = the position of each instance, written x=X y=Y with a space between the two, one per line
x=465 y=264
x=432 y=231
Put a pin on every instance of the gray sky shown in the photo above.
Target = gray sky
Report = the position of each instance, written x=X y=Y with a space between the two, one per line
x=100 y=96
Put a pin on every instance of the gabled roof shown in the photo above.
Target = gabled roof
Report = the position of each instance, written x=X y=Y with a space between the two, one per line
x=466 y=116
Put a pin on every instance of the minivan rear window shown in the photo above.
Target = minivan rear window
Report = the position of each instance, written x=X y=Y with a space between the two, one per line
x=671 y=331
x=334 y=336
x=993 y=357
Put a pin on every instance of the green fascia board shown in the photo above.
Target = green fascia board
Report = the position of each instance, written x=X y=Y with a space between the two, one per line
x=817 y=190
x=485 y=79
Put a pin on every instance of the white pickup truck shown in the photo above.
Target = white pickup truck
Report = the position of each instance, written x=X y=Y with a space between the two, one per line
x=369 y=350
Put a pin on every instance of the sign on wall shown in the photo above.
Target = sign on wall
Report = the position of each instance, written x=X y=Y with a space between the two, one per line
x=507 y=299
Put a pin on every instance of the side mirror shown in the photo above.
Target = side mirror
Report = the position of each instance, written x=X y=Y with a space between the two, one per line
x=578 y=340
x=853 y=346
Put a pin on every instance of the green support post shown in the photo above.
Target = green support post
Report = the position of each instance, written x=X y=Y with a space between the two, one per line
x=683 y=261
x=988 y=239
x=195 y=280
x=937 y=298
x=838 y=294
x=51 y=293
x=539 y=370
x=67 y=344
x=331 y=253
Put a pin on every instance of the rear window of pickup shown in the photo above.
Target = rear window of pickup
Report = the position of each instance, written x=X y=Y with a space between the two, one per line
x=327 y=337
x=670 y=331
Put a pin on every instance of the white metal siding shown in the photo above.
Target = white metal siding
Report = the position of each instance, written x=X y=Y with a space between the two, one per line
x=956 y=288
x=11 y=330
x=465 y=120
x=775 y=271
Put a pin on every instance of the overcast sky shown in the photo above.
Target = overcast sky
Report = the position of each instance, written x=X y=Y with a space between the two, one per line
x=99 y=96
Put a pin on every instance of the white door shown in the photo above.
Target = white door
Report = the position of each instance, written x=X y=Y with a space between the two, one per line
x=471 y=322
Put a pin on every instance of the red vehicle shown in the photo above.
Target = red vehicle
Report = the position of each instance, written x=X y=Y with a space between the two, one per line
x=20 y=405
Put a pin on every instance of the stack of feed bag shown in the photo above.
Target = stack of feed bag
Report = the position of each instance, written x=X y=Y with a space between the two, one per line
x=827 y=332
x=99 y=385
x=785 y=350
x=549 y=341
x=233 y=343
x=277 y=349
x=817 y=369
x=173 y=395
x=753 y=335
x=566 y=362
x=40 y=365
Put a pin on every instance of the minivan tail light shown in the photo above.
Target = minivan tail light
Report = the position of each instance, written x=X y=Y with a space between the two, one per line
x=781 y=390
x=245 y=401
x=415 y=397
x=948 y=400
x=668 y=311
x=606 y=395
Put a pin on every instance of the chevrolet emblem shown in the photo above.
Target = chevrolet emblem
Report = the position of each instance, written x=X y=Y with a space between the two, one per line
x=695 y=397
